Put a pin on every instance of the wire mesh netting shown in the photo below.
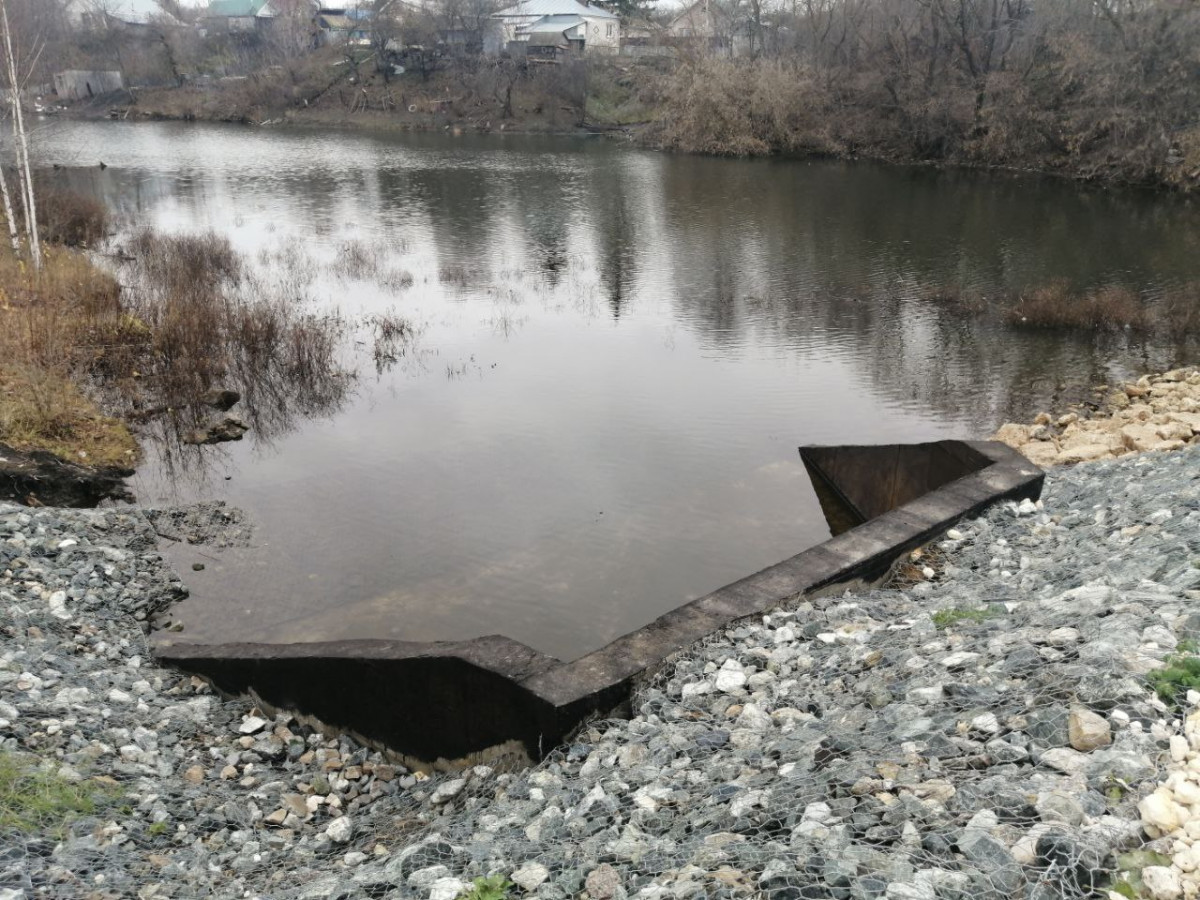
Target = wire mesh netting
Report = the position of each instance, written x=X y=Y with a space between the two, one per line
x=987 y=732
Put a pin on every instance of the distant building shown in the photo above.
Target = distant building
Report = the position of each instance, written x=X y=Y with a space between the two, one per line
x=238 y=16
x=117 y=13
x=710 y=24
x=641 y=37
x=343 y=25
x=586 y=29
x=78 y=84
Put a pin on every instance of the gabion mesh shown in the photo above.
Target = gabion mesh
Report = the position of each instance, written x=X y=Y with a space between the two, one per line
x=986 y=732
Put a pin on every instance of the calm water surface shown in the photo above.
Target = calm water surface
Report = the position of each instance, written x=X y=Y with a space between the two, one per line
x=618 y=353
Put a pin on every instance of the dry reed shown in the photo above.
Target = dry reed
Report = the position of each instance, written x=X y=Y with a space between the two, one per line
x=1107 y=308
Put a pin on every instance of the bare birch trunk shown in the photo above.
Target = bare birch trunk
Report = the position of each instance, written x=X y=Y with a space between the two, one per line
x=26 y=173
x=10 y=214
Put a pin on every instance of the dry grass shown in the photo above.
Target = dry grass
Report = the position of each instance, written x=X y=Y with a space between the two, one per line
x=191 y=264
x=1108 y=308
x=357 y=260
x=1180 y=307
x=211 y=323
x=54 y=327
x=70 y=340
x=71 y=219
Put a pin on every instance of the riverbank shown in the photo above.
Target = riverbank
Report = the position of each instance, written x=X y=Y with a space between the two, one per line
x=1157 y=412
x=992 y=730
x=703 y=105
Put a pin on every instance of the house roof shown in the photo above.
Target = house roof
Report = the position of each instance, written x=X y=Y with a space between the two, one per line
x=539 y=8
x=232 y=8
x=552 y=24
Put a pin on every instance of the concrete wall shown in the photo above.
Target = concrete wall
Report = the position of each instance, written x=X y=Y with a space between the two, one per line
x=76 y=84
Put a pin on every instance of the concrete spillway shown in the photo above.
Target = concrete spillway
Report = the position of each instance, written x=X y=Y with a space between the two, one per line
x=456 y=700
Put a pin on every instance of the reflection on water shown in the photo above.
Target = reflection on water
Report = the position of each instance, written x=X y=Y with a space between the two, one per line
x=617 y=355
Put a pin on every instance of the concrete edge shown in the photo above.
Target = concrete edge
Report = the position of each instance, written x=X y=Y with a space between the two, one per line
x=449 y=700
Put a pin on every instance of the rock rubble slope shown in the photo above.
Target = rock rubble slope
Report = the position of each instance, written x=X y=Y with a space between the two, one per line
x=990 y=733
x=1156 y=412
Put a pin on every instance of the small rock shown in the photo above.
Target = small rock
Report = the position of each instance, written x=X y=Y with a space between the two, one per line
x=252 y=724
x=1162 y=882
x=446 y=889
x=1088 y=731
x=1064 y=760
x=603 y=882
x=447 y=791
x=340 y=830
x=530 y=876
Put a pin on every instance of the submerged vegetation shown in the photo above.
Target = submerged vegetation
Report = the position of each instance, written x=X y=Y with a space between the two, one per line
x=192 y=320
x=1058 y=305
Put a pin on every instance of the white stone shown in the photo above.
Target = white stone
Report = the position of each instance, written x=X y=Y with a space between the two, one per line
x=1064 y=760
x=446 y=889
x=1162 y=882
x=959 y=659
x=730 y=679
x=980 y=825
x=1024 y=851
x=753 y=718
x=447 y=791
x=119 y=696
x=1159 y=811
x=1061 y=637
x=1188 y=859
x=746 y=801
x=354 y=858
x=58 y=605
x=252 y=724
x=340 y=829
x=1179 y=748
x=530 y=876
x=819 y=812
x=986 y=723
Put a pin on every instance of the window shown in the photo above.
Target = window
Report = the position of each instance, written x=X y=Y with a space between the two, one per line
x=610 y=29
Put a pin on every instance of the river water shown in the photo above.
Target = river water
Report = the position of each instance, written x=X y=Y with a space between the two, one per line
x=617 y=355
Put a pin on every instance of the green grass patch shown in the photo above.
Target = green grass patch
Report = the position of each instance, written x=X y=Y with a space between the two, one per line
x=1129 y=883
x=945 y=618
x=494 y=887
x=1180 y=675
x=34 y=800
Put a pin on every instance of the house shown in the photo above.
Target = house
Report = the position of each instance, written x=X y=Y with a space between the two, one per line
x=343 y=25
x=711 y=24
x=78 y=84
x=553 y=37
x=238 y=16
x=588 y=29
x=116 y=13
x=641 y=37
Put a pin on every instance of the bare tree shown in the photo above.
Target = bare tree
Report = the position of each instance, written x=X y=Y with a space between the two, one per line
x=25 y=173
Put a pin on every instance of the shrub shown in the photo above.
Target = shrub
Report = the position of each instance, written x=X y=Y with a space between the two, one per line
x=70 y=218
